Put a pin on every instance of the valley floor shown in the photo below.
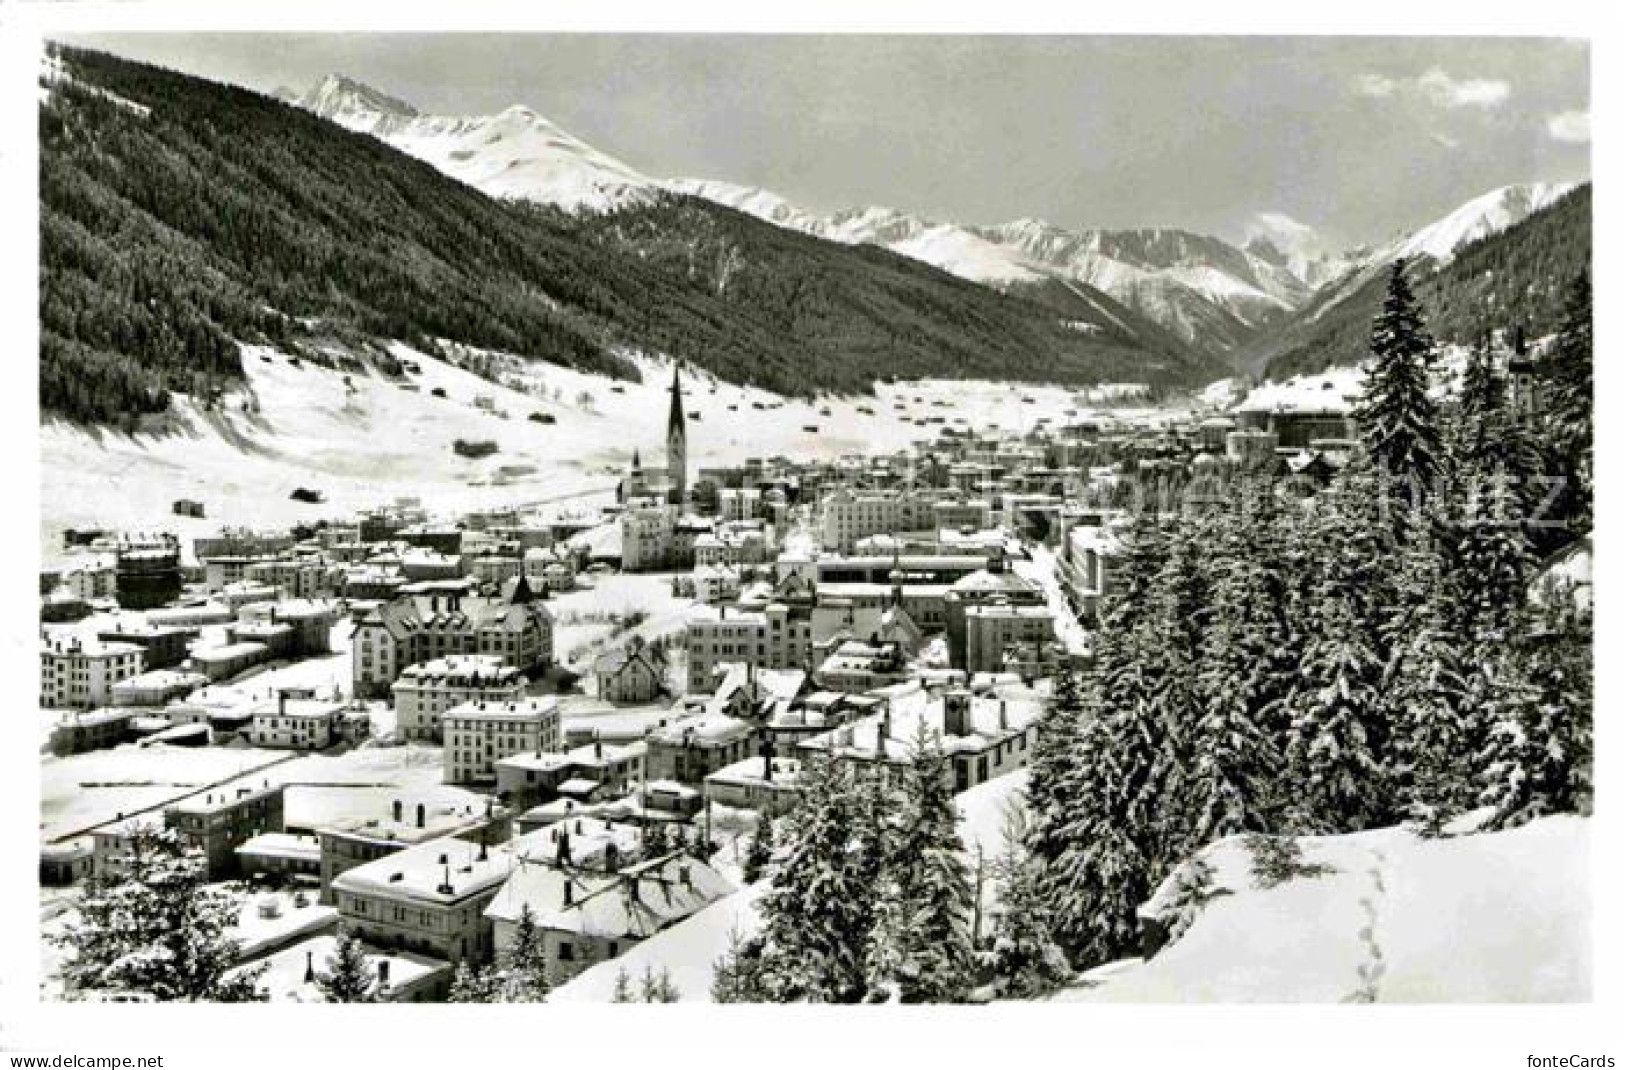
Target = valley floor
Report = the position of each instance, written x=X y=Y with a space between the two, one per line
x=370 y=440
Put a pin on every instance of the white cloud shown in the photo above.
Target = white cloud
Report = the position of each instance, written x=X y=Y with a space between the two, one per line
x=1570 y=126
x=1438 y=88
x=1375 y=85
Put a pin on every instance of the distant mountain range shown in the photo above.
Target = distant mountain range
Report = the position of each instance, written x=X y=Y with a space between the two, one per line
x=1229 y=302
x=179 y=217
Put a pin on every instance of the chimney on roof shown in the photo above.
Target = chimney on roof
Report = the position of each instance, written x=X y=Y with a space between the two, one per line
x=383 y=974
x=562 y=855
x=956 y=713
x=310 y=967
x=422 y=815
x=612 y=859
x=1004 y=722
x=569 y=893
x=396 y=809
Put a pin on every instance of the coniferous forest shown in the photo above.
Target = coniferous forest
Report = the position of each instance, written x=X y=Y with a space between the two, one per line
x=1270 y=664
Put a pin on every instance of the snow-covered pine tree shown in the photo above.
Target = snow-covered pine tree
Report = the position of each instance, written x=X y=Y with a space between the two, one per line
x=1101 y=872
x=1233 y=782
x=1493 y=561
x=1398 y=421
x=1571 y=400
x=471 y=984
x=1430 y=685
x=520 y=972
x=760 y=851
x=623 y=987
x=348 y=978
x=1539 y=759
x=736 y=976
x=1334 y=764
x=1051 y=760
x=919 y=950
x=159 y=928
x=1025 y=960
x=817 y=914
x=1481 y=404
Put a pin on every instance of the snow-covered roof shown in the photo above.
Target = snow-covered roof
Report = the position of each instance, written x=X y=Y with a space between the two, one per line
x=285 y=970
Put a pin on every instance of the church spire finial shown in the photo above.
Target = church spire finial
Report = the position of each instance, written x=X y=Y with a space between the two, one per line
x=677 y=440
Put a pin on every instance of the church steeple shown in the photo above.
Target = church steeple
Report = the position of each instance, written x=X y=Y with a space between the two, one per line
x=677 y=441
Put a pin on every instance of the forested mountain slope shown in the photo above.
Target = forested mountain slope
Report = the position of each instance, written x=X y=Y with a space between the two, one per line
x=1512 y=276
x=179 y=217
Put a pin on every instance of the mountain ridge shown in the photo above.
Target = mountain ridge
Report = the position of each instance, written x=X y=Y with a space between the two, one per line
x=181 y=218
x=1227 y=300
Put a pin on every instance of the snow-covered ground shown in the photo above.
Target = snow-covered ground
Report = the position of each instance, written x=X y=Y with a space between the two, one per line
x=1494 y=918
x=369 y=442
x=85 y=790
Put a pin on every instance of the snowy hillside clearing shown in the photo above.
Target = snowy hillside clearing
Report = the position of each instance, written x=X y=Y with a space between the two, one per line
x=369 y=441
x=1499 y=917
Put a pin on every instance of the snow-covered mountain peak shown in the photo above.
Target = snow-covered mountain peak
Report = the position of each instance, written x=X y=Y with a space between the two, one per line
x=516 y=153
x=338 y=97
x=1480 y=217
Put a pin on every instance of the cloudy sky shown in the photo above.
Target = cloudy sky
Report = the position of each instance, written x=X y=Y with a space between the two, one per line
x=1359 y=137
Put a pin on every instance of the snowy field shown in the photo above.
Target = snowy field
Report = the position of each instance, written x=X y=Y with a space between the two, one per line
x=372 y=441
x=1495 y=918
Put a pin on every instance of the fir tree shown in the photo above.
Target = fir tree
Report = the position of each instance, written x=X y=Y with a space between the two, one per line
x=819 y=909
x=919 y=950
x=1398 y=421
x=1235 y=764
x=1025 y=960
x=1571 y=398
x=1101 y=872
x=471 y=984
x=760 y=852
x=1493 y=563
x=623 y=988
x=520 y=972
x=736 y=976
x=1051 y=761
x=1431 y=688
x=657 y=987
x=1332 y=754
x=1539 y=759
x=159 y=928
x=348 y=977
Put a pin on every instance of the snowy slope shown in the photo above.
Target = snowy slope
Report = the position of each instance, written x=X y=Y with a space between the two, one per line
x=365 y=444
x=515 y=153
x=1480 y=217
x=1497 y=917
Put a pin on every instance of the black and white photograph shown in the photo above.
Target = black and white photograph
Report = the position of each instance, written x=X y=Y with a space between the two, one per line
x=988 y=520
